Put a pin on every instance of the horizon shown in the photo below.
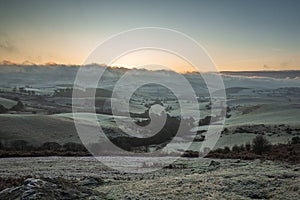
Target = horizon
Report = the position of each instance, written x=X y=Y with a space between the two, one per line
x=5 y=63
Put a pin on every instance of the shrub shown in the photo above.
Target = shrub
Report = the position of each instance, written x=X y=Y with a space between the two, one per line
x=20 y=145
x=261 y=144
x=236 y=148
x=225 y=130
x=51 y=146
x=190 y=154
x=219 y=150
x=248 y=146
x=295 y=140
x=205 y=121
x=72 y=146
x=226 y=149
x=242 y=148
x=20 y=106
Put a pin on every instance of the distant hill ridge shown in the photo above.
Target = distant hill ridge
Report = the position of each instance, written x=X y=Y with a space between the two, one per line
x=10 y=66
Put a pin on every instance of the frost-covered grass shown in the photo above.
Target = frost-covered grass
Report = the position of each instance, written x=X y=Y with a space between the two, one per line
x=188 y=179
x=89 y=118
x=268 y=114
x=7 y=103
x=228 y=140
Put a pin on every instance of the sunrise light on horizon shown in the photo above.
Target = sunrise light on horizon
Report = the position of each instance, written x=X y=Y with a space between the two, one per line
x=238 y=36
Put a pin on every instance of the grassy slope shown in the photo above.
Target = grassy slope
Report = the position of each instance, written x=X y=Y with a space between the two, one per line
x=37 y=129
x=269 y=114
x=7 y=103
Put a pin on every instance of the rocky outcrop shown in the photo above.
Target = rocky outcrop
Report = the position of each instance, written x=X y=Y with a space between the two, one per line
x=52 y=188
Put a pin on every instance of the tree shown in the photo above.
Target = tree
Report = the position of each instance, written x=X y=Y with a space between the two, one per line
x=72 y=146
x=236 y=148
x=242 y=148
x=260 y=144
x=248 y=146
x=18 y=107
x=205 y=121
x=226 y=149
x=51 y=146
x=295 y=140
x=19 y=145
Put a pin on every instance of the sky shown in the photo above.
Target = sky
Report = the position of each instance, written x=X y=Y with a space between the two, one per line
x=238 y=35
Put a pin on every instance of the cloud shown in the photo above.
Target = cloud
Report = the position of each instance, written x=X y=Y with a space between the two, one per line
x=285 y=64
x=278 y=50
x=6 y=44
x=7 y=62
x=266 y=66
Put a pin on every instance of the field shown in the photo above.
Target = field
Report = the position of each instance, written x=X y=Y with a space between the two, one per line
x=267 y=106
x=37 y=129
x=250 y=112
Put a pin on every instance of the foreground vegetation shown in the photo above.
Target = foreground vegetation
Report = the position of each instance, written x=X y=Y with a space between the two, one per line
x=187 y=179
x=260 y=148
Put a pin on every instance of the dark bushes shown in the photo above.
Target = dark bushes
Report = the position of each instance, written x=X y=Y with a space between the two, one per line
x=295 y=140
x=248 y=146
x=51 y=146
x=261 y=144
x=22 y=148
x=190 y=154
x=236 y=148
x=261 y=149
x=240 y=148
x=3 y=109
x=226 y=149
x=18 y=107
x=160 y=139
x=20 y=145
x=72 y=146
